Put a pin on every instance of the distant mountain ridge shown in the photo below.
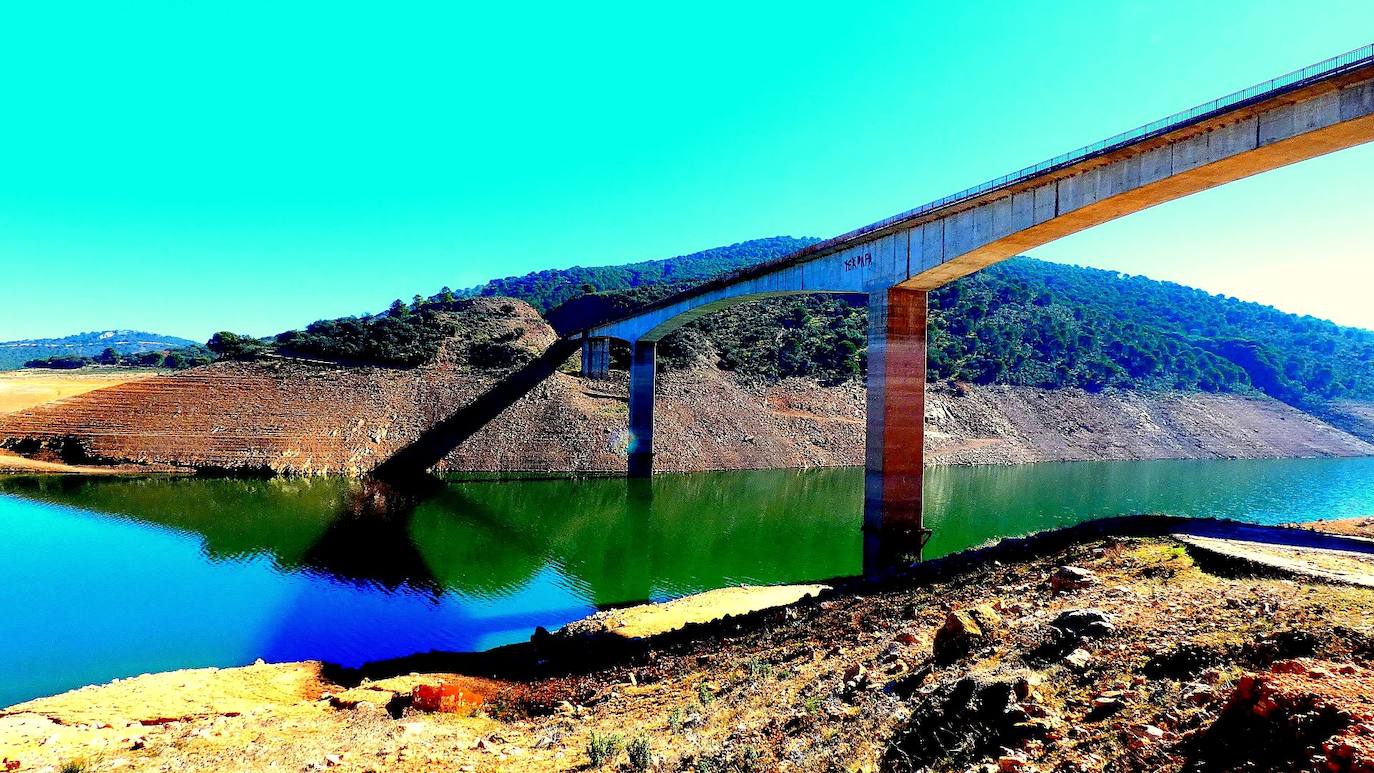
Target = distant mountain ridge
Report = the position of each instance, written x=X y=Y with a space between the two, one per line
x=13 y=354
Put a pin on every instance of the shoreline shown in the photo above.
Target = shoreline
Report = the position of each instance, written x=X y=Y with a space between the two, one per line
x=848 y=675
x=17 y=465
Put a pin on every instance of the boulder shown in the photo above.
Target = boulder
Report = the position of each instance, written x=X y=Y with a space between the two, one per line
x=1084 y=623
x=966 y=630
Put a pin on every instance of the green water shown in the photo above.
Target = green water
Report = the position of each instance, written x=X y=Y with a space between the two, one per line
x=119 y=576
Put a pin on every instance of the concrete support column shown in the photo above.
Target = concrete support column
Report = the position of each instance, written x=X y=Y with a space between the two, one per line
x=596 y=357
x=894 y=455
x=643 y=367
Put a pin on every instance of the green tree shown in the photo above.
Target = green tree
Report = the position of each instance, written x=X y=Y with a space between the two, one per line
x=233 y=346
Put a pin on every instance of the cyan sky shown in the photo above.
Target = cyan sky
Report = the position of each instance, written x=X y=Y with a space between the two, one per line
x=186 y=167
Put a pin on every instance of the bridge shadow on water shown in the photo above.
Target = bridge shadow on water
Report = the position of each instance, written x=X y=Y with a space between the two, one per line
x=360 y=570
x=355 y=572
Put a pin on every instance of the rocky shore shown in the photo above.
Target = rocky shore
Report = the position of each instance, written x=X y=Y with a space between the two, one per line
x=1112 y=646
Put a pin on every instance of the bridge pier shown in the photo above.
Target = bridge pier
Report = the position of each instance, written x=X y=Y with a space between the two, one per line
x=596 y=357
x=643 y=368
x=894 y=454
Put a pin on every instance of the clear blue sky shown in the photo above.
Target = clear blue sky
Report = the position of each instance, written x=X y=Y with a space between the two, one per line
x=185 y=167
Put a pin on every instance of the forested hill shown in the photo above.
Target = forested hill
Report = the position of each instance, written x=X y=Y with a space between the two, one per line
x=1023 y=321
x=545 y=290
x=13 y=354
x=1045 y=324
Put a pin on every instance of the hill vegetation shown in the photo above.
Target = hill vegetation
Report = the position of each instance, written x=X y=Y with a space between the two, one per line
x=177 y=359
x=1022 y=322
x=545 y=290
x=405 y=335
x=409 y=334
x=85 y=347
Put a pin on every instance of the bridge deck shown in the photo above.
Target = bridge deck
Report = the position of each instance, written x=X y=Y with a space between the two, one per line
x=1330 y=71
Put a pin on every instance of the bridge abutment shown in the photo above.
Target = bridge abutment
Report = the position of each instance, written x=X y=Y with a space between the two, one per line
x=894 y=455
x=643 y=369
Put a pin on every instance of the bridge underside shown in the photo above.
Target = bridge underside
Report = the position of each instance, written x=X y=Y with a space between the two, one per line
x=895 y=262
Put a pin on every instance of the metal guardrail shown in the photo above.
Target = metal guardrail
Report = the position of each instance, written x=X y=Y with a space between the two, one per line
x=1359 y=57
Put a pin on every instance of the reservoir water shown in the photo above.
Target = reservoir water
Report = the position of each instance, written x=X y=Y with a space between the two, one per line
x=114 y=577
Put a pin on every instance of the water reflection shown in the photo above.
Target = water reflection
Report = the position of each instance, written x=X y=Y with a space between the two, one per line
x=620 y=541
x=615 y=541
x=162 y=573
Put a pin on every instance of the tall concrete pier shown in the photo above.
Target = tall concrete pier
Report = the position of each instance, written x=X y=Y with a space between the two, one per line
x=1313 y=111
x=596 y=357
x=894 y=459
x=643 y=371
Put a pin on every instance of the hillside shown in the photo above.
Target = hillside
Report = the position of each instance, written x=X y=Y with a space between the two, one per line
x=308 y=418
x=1030 y=361
x=13 y=354
x=545 y=290
x=1023 y=322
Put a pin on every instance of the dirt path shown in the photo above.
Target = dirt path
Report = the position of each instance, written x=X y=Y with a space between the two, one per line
x=13 y=463
x=20 y=389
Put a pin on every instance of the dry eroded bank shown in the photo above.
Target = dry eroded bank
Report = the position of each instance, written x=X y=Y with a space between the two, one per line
x=301 y=419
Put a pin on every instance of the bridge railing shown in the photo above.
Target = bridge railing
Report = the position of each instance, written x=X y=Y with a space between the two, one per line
x=1350 y=60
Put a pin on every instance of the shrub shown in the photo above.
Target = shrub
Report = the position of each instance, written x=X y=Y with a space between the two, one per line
x=641 y=753
x=497 y=355
x=602 y=748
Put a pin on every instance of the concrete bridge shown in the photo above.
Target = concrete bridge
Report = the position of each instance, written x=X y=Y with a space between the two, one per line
x=1317 y=110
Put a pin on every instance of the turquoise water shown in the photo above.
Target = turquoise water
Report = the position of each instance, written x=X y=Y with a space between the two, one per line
x=114 y=577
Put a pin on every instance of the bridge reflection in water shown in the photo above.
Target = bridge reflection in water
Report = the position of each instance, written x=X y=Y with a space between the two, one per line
x=619 y=541
x=166 y=573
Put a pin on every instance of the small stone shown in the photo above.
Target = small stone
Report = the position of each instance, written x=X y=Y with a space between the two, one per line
x=1067 y=578
x=1107 y=703
x=1024 y=687
x=1078 y=659
x=332 y=759
x=1011 y=762
x=855 y=676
